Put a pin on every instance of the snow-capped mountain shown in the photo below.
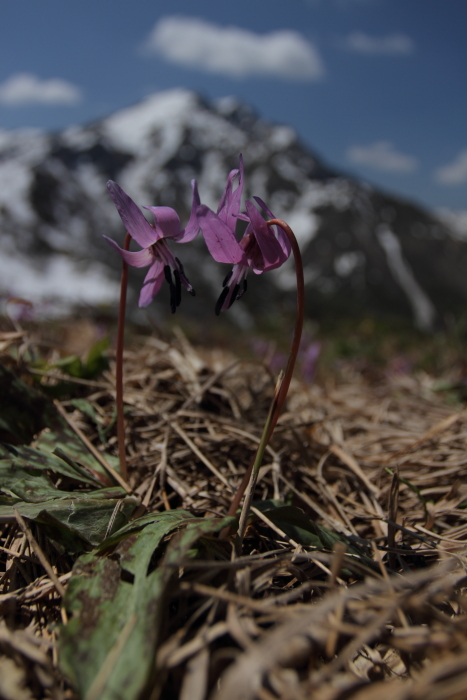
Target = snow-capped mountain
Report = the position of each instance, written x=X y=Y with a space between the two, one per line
x=363 y=250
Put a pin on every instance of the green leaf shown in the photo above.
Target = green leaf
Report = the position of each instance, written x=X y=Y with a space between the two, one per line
x=117 y=605
x=96 y=361
x=71 y=365
x=88 y=410
x=24 y=457
x=59 y=438
x=75 y=520
x=23 y=410
x=301 y=528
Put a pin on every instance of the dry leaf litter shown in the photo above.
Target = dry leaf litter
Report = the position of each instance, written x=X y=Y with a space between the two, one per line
x=383 y=464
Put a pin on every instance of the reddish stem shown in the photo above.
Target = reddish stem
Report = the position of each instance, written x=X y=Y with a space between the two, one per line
x=284 y=388
x=119 y=363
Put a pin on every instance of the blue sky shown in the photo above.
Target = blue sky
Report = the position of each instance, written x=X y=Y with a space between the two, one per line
x=378 y=88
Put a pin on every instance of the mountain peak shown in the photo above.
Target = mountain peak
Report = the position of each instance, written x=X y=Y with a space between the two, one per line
x=131 y=128
x=363 y=250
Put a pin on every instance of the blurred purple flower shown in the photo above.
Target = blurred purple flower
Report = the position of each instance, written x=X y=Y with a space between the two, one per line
x=266 y=351
x=260 y=249
x=309 y=360
x=398 y=365
x=156 y=252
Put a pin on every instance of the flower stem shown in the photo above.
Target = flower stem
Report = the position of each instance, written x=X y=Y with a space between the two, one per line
x=119 y=363
x=280 y=396
x=255 y=470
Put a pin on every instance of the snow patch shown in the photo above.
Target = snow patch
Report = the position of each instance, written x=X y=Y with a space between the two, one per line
x=304 y=224
x=59 y=279
x=348 y=262
x=130 y=129
x=423 y=310
x=282 y=137
x=456 y=221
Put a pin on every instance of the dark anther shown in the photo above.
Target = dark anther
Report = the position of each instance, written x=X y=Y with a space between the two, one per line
x=242 y=291
x=182 y=270
x=221 y=300
x=184 y=277
x=226 y=281
x=178 y=288
x=234 y=295
x=173 y=293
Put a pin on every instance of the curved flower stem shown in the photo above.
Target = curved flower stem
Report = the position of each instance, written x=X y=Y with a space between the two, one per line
x=255 y=469
x=119 y=363
x=280 y=395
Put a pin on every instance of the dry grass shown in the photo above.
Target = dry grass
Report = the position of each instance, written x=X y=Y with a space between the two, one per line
x=382 y=463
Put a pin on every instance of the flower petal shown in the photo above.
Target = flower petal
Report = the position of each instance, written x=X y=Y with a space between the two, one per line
x=271 y=250
x=152 y=283
x=229 y=206
x=167 y=221
x=192 y=228
x=282 y=237
x=132 y=217
x=219 y=238
x=140 y=258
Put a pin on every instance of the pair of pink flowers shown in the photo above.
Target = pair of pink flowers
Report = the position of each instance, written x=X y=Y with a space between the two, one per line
x=260 y=249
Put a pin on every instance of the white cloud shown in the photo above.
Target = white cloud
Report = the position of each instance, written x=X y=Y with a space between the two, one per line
x=389 y=45
x=232 y=51
x=454 y=173
x=26 y=88
x=382 y=155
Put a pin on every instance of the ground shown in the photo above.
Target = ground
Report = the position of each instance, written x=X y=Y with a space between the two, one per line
x=350 y=580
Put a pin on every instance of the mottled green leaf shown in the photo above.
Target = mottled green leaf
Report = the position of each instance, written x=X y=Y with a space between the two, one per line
x=88 y=410
x=23 y=410
x=117 y=603
x=26 y=413
x=76 y=520
x=301 y=528
x=25 y=457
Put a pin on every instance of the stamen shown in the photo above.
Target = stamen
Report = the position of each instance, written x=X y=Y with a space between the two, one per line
x=178 y=288
x=221 y=300
x=226 y=281
x=173 y=293
x=182 y=270
x=234 y=295
x=184 y=278
x=243 y=290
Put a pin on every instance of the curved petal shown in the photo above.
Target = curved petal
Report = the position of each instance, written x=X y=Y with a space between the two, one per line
x=192 y=228
x=220 y=240
x=167 y=221
x=132 y=217
x=152 y=283
x=264 y=207
x=229 y=206
x=141 y=258
x=271 y=250
x=282 y=237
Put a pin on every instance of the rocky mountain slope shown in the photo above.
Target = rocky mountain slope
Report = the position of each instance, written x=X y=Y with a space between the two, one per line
x=364 y=251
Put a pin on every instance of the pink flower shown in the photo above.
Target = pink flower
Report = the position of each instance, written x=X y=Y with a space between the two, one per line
x=219 y=229
x=262 y=247
x=152 y=239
